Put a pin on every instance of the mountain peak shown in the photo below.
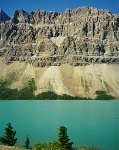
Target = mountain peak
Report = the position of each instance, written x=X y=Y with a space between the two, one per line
x=3 y=16
x=0 y=10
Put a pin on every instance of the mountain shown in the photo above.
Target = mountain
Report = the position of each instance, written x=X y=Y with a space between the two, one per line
x=75 y=52
x=3 y=16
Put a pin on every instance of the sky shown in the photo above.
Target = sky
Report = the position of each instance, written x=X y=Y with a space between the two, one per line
x=9 y=6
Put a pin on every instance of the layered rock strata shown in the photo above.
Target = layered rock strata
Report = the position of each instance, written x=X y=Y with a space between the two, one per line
x=78 y=36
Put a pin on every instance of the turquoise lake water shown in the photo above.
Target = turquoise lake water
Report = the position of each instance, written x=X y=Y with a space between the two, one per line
x=89 y=123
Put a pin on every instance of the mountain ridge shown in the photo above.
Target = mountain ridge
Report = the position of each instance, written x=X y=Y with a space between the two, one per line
x=75 y=52
x=84 y=35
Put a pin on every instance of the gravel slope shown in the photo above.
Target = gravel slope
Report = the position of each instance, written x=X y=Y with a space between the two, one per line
x=65 y=79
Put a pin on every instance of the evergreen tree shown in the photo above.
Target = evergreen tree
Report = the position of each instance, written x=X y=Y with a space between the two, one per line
x=63 y=139
x=27 y=142
x=9 y=136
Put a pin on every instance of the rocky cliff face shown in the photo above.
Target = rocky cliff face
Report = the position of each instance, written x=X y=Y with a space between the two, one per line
x=79 y=37
x=47 y=45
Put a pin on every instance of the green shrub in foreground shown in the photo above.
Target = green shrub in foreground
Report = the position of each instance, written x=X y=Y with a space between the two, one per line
x=61 y=144
x=49 y=146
